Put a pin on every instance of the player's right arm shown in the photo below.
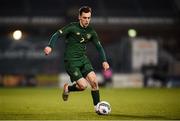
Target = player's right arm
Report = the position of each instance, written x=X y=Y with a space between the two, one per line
x=48 y=49
x=60 y=33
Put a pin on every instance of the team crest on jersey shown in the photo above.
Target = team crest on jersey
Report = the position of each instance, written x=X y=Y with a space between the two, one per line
x=76 y=73
x=88 y=36
x=77 y=33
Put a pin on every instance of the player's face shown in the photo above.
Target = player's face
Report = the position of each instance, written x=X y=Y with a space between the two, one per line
x=85 y=18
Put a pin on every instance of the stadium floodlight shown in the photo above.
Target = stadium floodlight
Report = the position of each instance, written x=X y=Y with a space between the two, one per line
x=132 y=33
x=17 y=34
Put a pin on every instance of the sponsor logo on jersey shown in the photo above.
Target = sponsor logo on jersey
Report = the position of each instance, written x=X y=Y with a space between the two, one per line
x=76 y=73
x=82 y=40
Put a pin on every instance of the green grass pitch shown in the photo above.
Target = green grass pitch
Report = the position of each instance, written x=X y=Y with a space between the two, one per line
x=131 y=104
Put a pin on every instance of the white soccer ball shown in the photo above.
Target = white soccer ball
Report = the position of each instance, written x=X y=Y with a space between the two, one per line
x=103 y=108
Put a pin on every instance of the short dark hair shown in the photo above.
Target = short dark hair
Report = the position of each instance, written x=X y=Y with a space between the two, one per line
x=85 y=9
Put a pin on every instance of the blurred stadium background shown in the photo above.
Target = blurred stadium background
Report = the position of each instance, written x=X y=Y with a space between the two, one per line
x=141 y=39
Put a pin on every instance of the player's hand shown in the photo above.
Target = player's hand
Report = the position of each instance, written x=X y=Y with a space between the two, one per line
x=105 y=65
x=47 y=50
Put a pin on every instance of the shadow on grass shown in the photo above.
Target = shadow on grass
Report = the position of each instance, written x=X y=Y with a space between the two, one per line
x=115 y=116
x=84 y=116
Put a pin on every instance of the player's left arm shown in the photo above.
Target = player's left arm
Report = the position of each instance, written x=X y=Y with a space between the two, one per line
x=100 y=49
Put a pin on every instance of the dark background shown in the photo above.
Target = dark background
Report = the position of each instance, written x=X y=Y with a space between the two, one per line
x=39 y=19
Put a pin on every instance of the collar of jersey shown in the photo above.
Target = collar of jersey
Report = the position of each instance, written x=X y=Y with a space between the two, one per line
x=82 y=27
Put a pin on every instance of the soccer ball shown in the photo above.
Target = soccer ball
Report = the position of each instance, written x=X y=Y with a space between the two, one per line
x=103 y=108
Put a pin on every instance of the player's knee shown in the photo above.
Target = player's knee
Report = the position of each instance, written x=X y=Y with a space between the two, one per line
x=92 y=77
x=93 y=81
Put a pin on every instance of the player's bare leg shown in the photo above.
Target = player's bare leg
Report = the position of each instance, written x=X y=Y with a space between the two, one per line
x=80 y=85
x=91 y=78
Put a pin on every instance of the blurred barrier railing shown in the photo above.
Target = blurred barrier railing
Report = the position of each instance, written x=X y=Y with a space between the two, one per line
x=45 y=20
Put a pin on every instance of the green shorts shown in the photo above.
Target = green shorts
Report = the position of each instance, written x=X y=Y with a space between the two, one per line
x=78 y=68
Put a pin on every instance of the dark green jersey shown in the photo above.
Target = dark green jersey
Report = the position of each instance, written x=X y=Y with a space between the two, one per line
x=76 y=38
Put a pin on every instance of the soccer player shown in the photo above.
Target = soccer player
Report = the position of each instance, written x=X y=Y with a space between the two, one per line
x=77 y=65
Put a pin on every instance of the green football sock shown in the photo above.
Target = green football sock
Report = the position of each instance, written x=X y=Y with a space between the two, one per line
x=95 y=96
x=73 y=88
